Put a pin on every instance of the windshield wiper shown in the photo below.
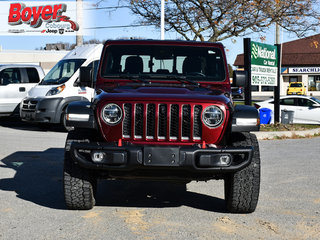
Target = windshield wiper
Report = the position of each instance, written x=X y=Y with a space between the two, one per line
x=49 y=82
x=137 y=78
x=183 y=79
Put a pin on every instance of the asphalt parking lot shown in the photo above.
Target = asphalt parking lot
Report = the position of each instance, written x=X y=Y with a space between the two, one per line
x=32 y=205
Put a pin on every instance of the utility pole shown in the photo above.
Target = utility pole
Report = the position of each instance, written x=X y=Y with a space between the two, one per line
x=162 y=20
x=79 y=36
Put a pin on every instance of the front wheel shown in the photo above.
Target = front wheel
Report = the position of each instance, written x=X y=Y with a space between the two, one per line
x=242 y=188
x=79 y=184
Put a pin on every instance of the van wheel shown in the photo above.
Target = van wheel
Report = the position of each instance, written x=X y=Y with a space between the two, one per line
x=242 y=188
x=79 y=184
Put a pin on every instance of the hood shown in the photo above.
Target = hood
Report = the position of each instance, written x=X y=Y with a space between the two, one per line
x=40 y=90
x=158 y=94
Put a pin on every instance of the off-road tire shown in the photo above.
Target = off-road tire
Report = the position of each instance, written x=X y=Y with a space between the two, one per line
x=242 y=188
x=79 y=184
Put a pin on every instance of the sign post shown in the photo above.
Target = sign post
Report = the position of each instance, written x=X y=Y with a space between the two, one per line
x=277 y=89
x=247 y=68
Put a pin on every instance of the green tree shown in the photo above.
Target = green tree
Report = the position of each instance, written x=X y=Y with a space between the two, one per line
x=216 y=20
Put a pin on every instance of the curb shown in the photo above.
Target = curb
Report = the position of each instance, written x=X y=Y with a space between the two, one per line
x=288 y=134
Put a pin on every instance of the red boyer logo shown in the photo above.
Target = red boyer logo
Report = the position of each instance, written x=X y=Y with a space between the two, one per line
x=34 y=16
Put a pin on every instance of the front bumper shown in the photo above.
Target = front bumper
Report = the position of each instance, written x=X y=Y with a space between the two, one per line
x=295 y=93
x=43 y=110
x=102 y=156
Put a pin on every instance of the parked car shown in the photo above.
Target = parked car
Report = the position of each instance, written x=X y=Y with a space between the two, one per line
x=296 y=88
x=306 y=109
x=15 y=82
x=237 y=92
x=47 y=101
x=162 y=111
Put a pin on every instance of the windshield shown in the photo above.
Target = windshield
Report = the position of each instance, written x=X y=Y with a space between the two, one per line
x=62 y=71
x=295 y=85
x=164 y=62
x=315 y=99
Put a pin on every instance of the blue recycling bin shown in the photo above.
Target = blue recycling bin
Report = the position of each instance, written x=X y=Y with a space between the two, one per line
x=265 y=115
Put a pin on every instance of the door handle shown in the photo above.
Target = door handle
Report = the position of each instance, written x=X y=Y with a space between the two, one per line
x=22 y=89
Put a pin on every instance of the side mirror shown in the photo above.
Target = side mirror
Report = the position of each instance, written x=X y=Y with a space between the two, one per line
x=85 y=77
x=239 y=78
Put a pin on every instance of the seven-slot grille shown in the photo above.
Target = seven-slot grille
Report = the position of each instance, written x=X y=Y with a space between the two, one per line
x=163 y=121
x=29 y=105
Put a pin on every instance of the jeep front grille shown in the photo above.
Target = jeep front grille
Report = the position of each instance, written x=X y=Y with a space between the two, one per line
x=127 y=120
x=162 y=122
x=138 y=121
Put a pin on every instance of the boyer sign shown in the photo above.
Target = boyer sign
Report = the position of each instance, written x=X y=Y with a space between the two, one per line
x=264 y=64
x=41 y=18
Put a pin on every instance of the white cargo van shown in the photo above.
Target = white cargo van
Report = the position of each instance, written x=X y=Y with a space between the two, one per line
x=15 y=82
x=47 y=101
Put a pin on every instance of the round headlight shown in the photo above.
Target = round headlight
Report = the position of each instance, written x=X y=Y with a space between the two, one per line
x=111 y=114
x=212 y=116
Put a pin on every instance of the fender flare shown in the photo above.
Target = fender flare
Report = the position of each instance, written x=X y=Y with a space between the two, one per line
x=80 y=114
x=245 y=119
x=64 y=103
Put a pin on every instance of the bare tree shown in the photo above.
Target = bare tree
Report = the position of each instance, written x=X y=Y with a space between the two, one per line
x=216 y=20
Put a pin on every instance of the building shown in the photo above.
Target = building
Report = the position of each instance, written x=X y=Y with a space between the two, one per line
x=300 y=62
x=45 y=59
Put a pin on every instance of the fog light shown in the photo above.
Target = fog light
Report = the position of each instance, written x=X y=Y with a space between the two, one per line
x=215 y=160
x=98 y=156
x=225 y=160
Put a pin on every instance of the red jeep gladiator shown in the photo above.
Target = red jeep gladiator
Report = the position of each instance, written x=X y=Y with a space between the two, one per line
x=162 y=110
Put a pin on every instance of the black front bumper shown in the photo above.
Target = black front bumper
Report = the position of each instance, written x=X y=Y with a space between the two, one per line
x=168 y=158
x=43 y=110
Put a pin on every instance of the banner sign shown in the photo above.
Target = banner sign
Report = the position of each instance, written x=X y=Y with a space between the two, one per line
x=39 y=18
x=305 y=70
x=264 y=64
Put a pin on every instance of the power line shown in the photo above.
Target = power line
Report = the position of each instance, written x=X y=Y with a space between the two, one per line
x=102 y=8
x=124 y=26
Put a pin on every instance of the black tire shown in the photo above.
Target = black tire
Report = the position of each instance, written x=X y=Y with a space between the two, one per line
x=79 y=184
x=242 y=188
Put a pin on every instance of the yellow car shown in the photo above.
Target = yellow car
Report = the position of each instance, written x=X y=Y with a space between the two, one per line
x=296 y=88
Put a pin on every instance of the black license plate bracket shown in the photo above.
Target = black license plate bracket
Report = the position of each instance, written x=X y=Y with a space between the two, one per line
x=161 y=156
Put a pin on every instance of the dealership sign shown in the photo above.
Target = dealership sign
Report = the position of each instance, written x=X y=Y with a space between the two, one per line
x=38 y=18
x=264 y=64
x=305 y=70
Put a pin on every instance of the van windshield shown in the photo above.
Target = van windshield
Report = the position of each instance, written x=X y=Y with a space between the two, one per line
x=62 y=71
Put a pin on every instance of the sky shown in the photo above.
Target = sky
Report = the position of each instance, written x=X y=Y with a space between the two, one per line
x=109 y=24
